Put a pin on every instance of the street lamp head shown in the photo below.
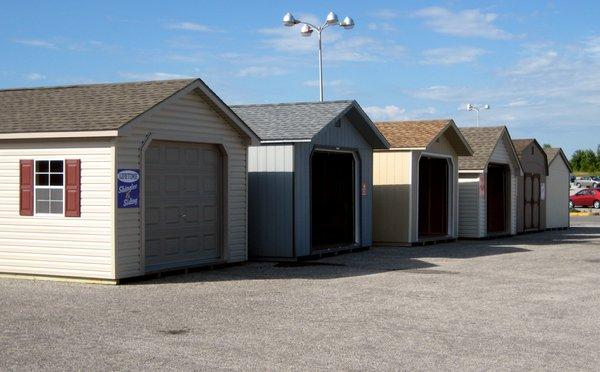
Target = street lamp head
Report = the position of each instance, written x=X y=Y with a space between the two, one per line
x=347 y=23
x=470 y=107
x=306 y=30
x=289 y=20
x=332 y=18
x=487 y=107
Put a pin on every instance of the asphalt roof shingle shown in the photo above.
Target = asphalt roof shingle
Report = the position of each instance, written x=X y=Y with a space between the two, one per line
x=483 y=140
x=81 y=107
x=411 y=134
x=290 y=121
x=521 y=144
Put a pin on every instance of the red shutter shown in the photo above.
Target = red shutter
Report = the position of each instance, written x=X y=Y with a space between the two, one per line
x=26 y=188
x=72 y=188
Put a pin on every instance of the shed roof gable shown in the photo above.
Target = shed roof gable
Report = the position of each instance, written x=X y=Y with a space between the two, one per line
x=483 y=141
x=98 y=107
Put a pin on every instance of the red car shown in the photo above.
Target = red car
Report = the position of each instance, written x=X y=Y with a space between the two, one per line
x=585 y=198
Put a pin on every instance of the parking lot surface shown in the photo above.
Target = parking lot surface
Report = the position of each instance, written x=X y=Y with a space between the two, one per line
x=528 y=302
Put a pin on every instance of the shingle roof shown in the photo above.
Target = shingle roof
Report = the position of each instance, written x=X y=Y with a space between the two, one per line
x=290 y=121
x=411 y=134
x=521 y=144
x=553 y=152
x=81 y=107
x=483 y=140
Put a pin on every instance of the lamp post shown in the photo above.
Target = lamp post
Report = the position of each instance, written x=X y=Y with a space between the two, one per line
x=307 y=30
x=471 y=107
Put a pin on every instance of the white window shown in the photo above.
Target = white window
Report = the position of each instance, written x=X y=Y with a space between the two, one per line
x=49 y=186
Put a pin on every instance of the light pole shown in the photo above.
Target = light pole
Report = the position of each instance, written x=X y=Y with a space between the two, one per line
x=471 y=107
x=307 y=30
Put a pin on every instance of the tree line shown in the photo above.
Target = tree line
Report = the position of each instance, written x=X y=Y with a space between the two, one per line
x=586 y=160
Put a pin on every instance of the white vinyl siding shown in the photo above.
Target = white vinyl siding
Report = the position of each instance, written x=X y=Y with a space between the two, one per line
x=473 y=205
x=557 y=194
x=469 y=207
x=55 y=244
x=190 y=119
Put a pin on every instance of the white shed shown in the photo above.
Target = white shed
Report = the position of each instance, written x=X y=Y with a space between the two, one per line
x=488 y=184
x=111 y=181
x=557 y=189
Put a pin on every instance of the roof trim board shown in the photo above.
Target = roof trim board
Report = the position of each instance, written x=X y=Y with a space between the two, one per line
x=73 y=134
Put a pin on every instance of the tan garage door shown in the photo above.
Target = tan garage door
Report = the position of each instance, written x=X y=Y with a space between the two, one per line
x=182 y=204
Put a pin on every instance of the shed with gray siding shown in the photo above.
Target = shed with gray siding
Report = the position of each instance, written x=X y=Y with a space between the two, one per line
x=531 y=210
x=68 y=154
x=557 y=189
x=310 y=181
x=488 y=184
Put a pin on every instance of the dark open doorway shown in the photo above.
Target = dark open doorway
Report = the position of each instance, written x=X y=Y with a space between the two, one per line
x=433 y=197
x=498 y=199
x=333 y=199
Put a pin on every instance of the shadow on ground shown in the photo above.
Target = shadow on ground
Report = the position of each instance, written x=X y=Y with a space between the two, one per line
x=385 y=259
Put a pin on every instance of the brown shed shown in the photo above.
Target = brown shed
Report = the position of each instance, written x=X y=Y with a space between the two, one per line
x=531 y=192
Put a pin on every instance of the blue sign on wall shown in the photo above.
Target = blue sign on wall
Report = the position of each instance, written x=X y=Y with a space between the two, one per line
x=128 y=188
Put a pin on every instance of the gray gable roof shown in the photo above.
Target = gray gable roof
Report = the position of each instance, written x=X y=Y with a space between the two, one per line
x=99 y=107
x=290 y=121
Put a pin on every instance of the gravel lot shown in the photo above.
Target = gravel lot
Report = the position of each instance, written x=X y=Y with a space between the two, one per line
x=530 y=302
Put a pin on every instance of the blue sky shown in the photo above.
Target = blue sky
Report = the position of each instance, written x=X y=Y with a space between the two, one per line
x=537 y=63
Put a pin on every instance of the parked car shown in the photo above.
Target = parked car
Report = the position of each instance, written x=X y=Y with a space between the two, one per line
x=585 y=198
x=587 y=181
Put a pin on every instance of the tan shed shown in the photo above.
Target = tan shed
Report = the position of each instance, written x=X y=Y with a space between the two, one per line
x=531 y=204
x=557 y=189
x=488 y=184
x=111 y=181
x=415 y=182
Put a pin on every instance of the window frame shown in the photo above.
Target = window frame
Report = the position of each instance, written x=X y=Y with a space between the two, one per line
x=49 y=187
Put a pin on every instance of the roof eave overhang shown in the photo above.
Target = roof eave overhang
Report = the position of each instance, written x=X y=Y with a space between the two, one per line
x=50 y=135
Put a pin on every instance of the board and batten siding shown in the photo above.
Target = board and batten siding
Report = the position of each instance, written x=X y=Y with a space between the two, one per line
x=557 y=194
x=344 y=136
x=189 y=119
x=58 y=245
x=392 y=181
x=270 y=200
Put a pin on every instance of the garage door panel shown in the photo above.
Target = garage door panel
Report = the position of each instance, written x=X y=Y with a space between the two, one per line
x=183 y=207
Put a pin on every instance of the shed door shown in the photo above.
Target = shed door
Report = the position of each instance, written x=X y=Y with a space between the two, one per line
x=182 y=204
x=532 y=201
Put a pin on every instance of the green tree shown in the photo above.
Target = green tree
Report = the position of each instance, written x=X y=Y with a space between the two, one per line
x=547 y=146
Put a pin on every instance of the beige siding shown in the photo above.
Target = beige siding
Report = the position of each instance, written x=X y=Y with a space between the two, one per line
x=190 y=119
x=58 y=245
x=469 y=207
x=391 y=196
x=557 y=194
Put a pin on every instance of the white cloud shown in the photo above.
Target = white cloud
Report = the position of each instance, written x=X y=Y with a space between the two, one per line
x=452 y=56
x=465 y=23
x=385 y=14
x=327 y=83
x=338 y=45
x=152 y=76
x=390 y=112
x=519 y=103
x=38 y=43
x=381 y=26
x=535 y=64
x=34 y=76
x=261 y=71
x=190 y=26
